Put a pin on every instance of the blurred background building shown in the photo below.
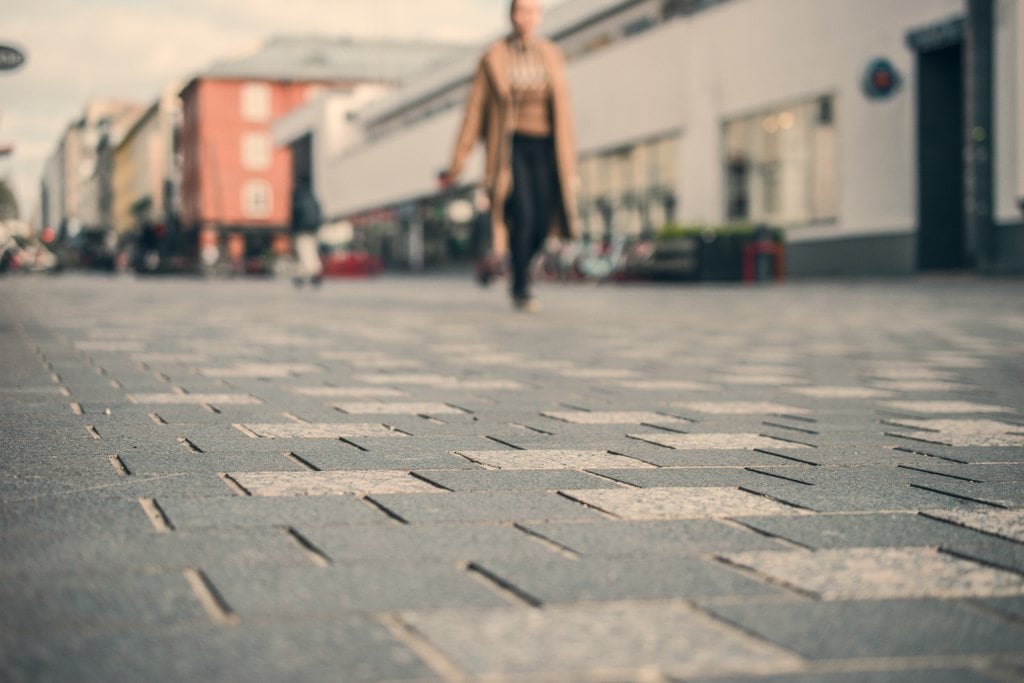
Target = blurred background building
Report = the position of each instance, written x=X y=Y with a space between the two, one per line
x=879 y=137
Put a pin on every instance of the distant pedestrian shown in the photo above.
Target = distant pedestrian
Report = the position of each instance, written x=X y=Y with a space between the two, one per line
x=306 y=220
x=519 y=104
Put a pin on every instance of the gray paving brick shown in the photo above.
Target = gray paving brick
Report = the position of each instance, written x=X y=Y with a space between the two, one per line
x=516 y=480
x=485 y=506
x=646 y=538
x=369 y=586
x=245 y=511
x=890 y=628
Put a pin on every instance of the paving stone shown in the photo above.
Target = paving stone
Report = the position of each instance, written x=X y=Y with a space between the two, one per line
x=944 y=407
x=877 y=573
x=719 y=441
x=515 y=480
x=741 y=408
x=195 y=399
x=369 y=586
x=840 y=392
x=887 y=628
x=551 y=459
x=29 y=556
x=664 y=477
x=666 y=385
x=193 y=514
x=279 y=370
x=84 y=512
x=613 y=417
x=898 y=674
x=1006 y=523
x=350 y=392
x=331 y=483
x=963 y=432
x=586 y=642
x=404 y=543
x=653 y=538
x=489 y=506
x=680 y=502
x=318 y=430
x=310 y=650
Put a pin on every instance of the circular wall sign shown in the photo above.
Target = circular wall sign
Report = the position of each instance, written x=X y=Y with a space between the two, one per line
x=10 y=57
x=881 y=79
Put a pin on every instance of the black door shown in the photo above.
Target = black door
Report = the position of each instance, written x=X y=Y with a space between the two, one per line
x=940 y=131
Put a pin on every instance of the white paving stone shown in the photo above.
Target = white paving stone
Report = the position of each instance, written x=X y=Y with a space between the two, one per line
x=741 y=408
x=195 y=399
x=399 y=409
x=350 y=392
x=945 y=407
x=331 y=483
x=719 y=441
x=919 y=385
x=110 y=345
x=597 y=642
x=685 y=502
x=552 y=459
x=666 y=385
x=880 y=573
x=329 y=430
x=256 y=370
x=965 y=432
x=760 y=379
x=597 y=373
x=170 y=357
x=1005 y=523
x=609 y=417
x=840 y=392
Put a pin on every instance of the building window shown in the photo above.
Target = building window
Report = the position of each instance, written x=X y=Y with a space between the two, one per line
x=781 y=166
x=257 y=199
x=255 y=102
x=257 y=151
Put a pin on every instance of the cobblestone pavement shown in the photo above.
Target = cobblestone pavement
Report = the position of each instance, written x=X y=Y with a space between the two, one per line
x=402 y=479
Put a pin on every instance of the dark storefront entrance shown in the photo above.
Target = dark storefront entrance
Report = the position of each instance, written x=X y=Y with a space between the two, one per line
x=940 y=150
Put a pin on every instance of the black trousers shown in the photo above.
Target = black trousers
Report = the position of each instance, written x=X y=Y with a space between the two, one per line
x=528 y=209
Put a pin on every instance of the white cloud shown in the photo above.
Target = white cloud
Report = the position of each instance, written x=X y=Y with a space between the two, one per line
x=132 y=49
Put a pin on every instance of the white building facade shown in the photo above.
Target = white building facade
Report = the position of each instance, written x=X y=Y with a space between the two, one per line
x=883 y=137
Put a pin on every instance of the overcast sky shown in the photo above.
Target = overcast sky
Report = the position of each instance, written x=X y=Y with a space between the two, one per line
x=131 y=49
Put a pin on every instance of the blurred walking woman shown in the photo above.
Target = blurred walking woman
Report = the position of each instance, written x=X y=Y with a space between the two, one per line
x=519 y=104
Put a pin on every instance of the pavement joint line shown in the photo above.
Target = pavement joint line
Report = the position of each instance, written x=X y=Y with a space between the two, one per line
x=157 y=517
x=585 y=504
x=781 y=501
x=637 y=437
x=76 y=408
x=295 y=418
x=161 y=377
x=778 y=476
x=790 y=427
x=958 y=496
x=427 y=480
x=55 y=378
x=737 y=524
x=353 y=444
x=210 y=598
x=947 y=458
x=318 y=556
x=211 y=408
x=64 y=391
x=380 y=507
x=764 y=578
x=188 y=445
x=302 y=462
x=939 y=474
x=664 y=428
x=233 y=484
x=782 y=438
x=549 y=543
x=505 y=443
x=430 y=419
x=938 y=518
x=245 y=430
x=155 y=417
x=919 y=439
x=430 y=654
x=506 y=589
x=484 y=465
x=537 y=430
x=612 y=479
x=118 y=465
x=91 y=431
x=116 y=384
x=962 y=555
x=632 y=457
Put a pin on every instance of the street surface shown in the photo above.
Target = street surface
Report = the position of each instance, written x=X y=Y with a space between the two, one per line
x=402 y=479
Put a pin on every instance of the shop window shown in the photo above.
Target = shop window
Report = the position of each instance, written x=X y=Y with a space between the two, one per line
x=257 y=152
x=255 y=102
x=257 y=199
x=781 y=165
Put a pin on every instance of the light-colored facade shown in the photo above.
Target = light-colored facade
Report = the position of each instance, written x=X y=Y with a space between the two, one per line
x=146 y=172
x=756 y=111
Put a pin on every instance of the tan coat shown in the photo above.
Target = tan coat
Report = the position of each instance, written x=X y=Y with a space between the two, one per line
x=489 y=116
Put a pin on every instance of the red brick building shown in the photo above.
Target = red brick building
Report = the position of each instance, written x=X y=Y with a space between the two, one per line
x=236 y=187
